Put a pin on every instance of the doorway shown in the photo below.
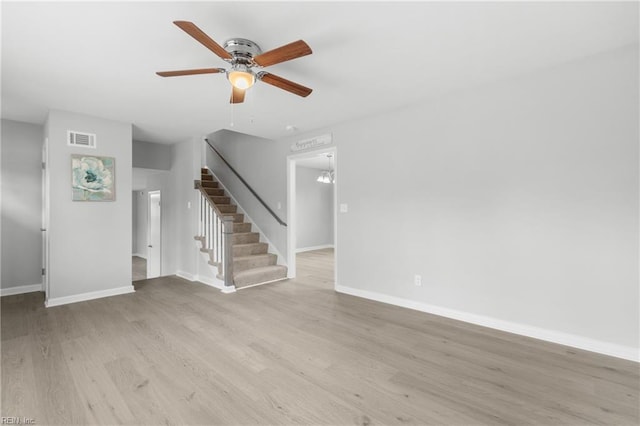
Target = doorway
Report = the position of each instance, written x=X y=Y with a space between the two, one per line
x=154 y=240
x=316 y=172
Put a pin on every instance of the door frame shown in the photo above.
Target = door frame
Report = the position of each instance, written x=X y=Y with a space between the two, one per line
x=149 y=194
x=291 y=208
x=46 y=208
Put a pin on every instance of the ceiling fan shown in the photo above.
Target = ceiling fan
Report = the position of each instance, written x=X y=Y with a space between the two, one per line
x=245 y=55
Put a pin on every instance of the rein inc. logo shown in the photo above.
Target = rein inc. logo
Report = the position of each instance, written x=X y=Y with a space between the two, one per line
x=17 y=420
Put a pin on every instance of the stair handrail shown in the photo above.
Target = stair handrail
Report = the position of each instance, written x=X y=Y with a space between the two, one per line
x=198 y=185
x=225 y=253
x=255 y=194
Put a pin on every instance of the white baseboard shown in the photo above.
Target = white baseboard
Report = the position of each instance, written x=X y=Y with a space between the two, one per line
x=187 y=276
x=10 y=291
x=567 y=339
x=324 y=246
x=139 y=255
x=212 y=282
x=89 y=296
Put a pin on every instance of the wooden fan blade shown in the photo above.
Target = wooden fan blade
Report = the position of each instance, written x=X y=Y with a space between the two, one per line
x=284 y=53
x=237 y=95
x=195 y=32
x=283 y=83
x=189 y=72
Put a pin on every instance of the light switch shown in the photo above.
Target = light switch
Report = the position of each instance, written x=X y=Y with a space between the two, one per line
x=344 y=208
x=188 y=204
x=279 y=205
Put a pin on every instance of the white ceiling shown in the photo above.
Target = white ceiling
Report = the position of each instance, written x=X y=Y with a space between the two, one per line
x=99 y=58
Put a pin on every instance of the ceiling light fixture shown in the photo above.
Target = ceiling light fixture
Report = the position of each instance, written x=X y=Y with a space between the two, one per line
x=241 y=77
x=327 y=176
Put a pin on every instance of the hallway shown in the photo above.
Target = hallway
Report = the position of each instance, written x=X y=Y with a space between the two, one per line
x=139 y=268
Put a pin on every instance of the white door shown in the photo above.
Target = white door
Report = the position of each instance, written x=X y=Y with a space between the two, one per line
x=154 y=248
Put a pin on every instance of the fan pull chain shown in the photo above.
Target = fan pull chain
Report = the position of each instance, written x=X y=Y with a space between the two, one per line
x=231 y=124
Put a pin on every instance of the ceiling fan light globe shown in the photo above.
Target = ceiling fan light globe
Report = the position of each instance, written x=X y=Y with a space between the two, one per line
x=241 y=79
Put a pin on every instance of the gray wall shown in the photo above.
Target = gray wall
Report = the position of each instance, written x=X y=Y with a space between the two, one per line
x=147 y=155
x=90 y=242
x=314 y=210
x=516 y=201
x=21 y=180
x=152 y=163
x=186 y=169
x=262 y=163
x=179 y=221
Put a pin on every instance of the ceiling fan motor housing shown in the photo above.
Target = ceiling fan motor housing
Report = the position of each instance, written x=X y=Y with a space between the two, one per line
x=243 y=51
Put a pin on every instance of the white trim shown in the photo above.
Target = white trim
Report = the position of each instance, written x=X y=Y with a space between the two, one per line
x=139 y=255
x=46 y=215
x=211 y=282
x=259 y=284
x=228 y=290
x=187 y=276
x=321 y=247
x=56 y=301
x=10 y=291
x=585 y=343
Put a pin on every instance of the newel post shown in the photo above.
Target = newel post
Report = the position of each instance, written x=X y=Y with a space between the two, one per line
x=227 y=232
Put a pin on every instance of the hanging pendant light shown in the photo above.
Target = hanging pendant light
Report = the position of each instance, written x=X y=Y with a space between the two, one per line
x=327 y=176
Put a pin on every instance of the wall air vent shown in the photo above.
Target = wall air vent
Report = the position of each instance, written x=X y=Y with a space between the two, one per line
x=86 y=140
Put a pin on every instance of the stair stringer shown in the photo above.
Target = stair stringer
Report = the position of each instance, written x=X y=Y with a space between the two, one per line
x=272 y=249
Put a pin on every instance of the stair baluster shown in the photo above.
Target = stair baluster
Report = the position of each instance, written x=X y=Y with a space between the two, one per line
x=216 y=233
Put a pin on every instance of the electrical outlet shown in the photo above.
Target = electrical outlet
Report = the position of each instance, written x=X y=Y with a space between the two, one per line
x=344 y=208
x=188 y=204
x=417 y=280
x=279 y=205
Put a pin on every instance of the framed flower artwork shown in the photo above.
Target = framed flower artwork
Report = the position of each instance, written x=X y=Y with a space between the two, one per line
x=93 y=178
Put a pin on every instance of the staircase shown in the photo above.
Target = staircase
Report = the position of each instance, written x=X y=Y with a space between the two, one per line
x=251 y=263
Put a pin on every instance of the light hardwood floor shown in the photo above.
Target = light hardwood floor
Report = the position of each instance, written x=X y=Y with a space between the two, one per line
x=293 y=352
x=138 y=268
